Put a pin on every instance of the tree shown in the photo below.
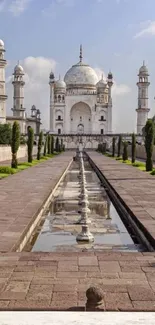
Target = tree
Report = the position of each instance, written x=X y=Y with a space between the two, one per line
x=5 y=133
x=52 y=144
x=45 y=145
x=15 y=143
x=125 y=151
x=57 y=146
x=49 y=144
x=40 y=145
x=133 y=148
x=30 y=142
x=149 y=141
x=119 y=145
x=61 y=146
x=113 y=146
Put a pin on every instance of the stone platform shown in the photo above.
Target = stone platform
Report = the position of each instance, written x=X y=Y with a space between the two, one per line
x=58 y=281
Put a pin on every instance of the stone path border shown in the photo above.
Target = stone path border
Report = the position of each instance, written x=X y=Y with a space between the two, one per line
x=22 y=196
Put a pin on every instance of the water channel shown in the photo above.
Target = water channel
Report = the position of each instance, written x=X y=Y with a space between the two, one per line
x=58 y=229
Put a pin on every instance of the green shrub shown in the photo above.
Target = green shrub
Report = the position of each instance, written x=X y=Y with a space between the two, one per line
x=57 y=145
x=52 y=144
x=49 y=144
x=40 y=145
x=30 y=142
x=149 y=141
x=153 y=172
x=45 y=146
x=119 y=145
x=5 y=133
x=133 y=148
x=15 y=143
x=7 y=170
x=125 y=151
x=113 y=146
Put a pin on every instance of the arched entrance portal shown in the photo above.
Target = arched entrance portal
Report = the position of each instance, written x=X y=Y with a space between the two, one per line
x=80 y=117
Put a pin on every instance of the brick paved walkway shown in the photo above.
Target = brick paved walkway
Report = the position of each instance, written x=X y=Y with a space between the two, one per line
x=22 y=195
x=58 y=281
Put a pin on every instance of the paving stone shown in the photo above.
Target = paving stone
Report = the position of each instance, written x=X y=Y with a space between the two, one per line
x=117 y=301
x=144 y=305
x=109 y=266
x=140 y=293
x=31 y=304
x=90 y=260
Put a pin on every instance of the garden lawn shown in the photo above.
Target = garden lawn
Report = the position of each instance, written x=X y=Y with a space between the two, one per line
x=5 y=171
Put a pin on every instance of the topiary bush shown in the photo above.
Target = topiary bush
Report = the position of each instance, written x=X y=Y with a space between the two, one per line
x=5 y=133
x=49 y=144
x=30 y=142
x=149 y=141
x=133 y=148
x=40 y=145
x=45 y=146
x=15 y=143
x=57 y=145
x=113 y=146
x=52 y=144
x=125 y=151
x=119 y=146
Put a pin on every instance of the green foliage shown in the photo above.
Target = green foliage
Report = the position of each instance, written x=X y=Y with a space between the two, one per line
x=113 y=146
x=40 y=145
x=133 y=148
x=45 y=146
x=30 y=142
x=125 y=151
x=5 y=133
x=153 y=172
x=119 y=145
x=49 y=144
x=15 y=143
x=57 y=145
x=149 y=141
x=52 y=144
x=22 y=140
x=7 y=170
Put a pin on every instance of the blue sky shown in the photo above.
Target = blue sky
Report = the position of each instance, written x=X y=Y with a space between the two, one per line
x=46 y=34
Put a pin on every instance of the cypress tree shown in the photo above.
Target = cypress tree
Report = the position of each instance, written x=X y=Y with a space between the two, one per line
x=61 y=146
x=113 y=146
x=45 y=146
x=125 y=151
x=119 y=146
x=133 y=148
x=40 y=145
x=49 y=144
x=30 y=142
x=57 y=146
x=149 y=141
x=15 y=143
x=52 y=144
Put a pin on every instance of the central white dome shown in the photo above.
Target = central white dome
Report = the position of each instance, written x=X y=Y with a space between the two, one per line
x=81 y=74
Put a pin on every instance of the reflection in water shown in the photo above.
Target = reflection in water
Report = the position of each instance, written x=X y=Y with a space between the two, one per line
x=59 y=230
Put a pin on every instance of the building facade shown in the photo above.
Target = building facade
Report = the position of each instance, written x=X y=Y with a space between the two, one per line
x=81 y=104
x=18 y=109
x=143 y=98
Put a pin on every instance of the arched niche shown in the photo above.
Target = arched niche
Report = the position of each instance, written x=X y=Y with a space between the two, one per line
x=80 y=118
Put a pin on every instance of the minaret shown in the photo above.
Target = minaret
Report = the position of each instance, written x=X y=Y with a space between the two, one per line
x=18 y=98
x=110 y=84
x=142 y=110
x=51 y=83
x=3 y=96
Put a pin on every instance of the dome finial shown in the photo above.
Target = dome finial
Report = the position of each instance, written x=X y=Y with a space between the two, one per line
x=143 y=63
x=81 y=53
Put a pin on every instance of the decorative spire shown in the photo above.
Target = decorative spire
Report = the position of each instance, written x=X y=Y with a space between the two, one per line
x=81 y=53
x=59 y=77
x=18 y=62
x=102 y=76
x=143 y=63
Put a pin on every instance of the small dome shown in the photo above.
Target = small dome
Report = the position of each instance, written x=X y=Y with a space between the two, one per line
x=60 y=84
x=33 y=108
x=18 y=69
x=110 y=76
x=143 y=70
x=52 y=75
x=1 y=43
x=101 y=84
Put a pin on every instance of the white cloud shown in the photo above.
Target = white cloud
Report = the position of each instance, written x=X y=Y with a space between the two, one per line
x=147 y=29
x=15 y=7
